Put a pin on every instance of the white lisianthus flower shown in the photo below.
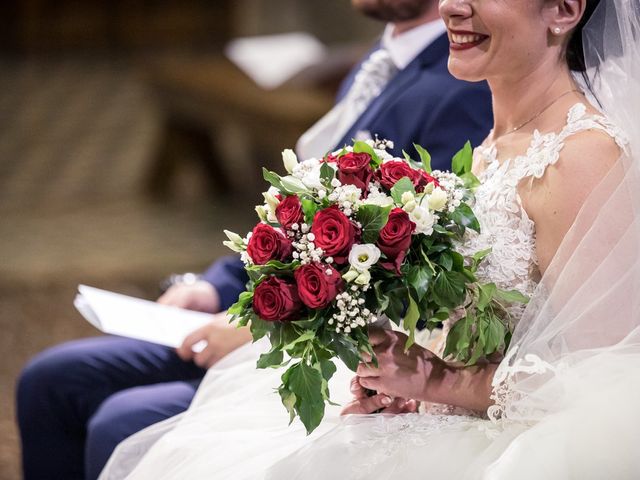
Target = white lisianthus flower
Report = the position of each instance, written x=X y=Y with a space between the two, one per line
x=438 y=199
x=350 y=276
x=289 y=159
x=262 y=212
x=410 y=206
x=423 y=219
x=364 y=278
x=362 y=257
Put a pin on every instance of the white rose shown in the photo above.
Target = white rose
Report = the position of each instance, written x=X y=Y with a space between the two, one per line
x=423 y=219
x=362 y=257
x=289 y=159
x=437 y=199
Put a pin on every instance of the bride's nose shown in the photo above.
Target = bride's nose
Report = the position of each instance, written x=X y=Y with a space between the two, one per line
x=454 y=8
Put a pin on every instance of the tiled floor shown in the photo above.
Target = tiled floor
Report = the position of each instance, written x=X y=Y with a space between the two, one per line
x=76 y=139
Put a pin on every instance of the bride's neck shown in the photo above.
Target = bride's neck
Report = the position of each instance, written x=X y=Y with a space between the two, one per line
x=518 y=98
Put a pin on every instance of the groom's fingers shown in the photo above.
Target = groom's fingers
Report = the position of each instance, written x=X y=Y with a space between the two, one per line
x=185 y=351
x=367 y=405
x=367 y=370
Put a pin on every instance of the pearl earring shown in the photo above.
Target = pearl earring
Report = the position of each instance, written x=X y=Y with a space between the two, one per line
x=557 y=30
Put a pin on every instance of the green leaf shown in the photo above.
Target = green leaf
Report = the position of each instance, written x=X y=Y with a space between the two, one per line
x=479 y=256
x=306 y=383
x=494 y=335
x=425 y=157
x=309 y=207
x=459 y=339
x=395 y=309
x=471 y=182
x=289 y=402
x=259 y=328
x=449 y=289
x=486 y=293
x=347 y=351
x=327 y=369
x=305 y=337
x=270 y=359
x=244 y=300
x=327 y=173
x=272 y=267
x=419 y=278
x=445 y=260
x=462 y=161
x=410 y=321
x=372 y=218
x=401 y=186
x=273 y=178
x=464 y=216
x=512 y=296
x=407 y=157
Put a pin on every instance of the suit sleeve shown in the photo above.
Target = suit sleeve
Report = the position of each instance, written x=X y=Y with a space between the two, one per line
x=229 y=278
x=463 y=114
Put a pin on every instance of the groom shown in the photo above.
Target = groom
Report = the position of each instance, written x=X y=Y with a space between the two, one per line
x=77 y=401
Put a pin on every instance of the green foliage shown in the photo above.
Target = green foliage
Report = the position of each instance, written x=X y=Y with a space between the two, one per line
x=425 y=157
x=419 y=278
x=305 y=382
x=372 y=218
x=327 y=173
x=465 y=218
x=410 y=322
x=463 y=160
x=449 y=289
x=309 y=207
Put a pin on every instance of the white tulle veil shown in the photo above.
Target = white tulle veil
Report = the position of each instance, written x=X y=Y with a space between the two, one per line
x=585 y=316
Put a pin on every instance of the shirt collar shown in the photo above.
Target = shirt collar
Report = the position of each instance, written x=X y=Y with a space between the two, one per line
x=405 y=47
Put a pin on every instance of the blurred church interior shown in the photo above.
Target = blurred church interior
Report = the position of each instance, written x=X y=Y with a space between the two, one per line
x=128 y=141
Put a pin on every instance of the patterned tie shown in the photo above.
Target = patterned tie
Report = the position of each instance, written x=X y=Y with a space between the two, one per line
x=372 y=78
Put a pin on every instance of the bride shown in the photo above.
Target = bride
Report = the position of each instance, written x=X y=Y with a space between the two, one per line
x=559 y=205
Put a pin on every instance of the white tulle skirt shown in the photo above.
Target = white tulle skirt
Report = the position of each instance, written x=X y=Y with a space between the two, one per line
x=237 y=428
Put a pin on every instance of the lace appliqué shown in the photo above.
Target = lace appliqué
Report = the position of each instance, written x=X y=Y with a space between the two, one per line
x=392 y=435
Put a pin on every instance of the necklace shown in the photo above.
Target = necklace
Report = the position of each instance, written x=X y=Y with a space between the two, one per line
x=540 y=112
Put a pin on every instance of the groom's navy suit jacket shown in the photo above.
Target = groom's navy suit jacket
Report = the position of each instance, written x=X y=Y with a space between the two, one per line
x=422 y=104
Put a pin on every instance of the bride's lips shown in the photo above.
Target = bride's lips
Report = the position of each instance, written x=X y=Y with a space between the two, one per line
x=463 y=39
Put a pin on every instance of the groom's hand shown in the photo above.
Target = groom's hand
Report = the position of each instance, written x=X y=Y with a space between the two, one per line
x=221 y=338
x=363 y=404
x=200 y=296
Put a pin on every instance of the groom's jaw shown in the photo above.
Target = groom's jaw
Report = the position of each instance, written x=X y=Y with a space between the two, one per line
x=464 y=39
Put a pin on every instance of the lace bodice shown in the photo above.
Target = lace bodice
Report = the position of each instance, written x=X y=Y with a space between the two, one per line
x=506 y=227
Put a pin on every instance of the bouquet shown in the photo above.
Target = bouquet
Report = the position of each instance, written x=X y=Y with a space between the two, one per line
x=359 y=235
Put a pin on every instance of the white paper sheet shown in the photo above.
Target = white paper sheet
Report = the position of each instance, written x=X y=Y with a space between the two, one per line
x=271 y=60
x=136 y=318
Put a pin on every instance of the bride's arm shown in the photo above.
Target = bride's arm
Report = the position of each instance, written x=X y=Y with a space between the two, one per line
x=419 y=374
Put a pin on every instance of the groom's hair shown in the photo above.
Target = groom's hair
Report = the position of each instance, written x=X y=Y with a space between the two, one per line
x=392 y=10
x=575 y=49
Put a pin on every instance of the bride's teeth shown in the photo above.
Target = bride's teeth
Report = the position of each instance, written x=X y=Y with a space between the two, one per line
x=457 y=38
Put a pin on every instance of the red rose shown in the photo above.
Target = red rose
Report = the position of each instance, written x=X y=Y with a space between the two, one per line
x=276 y=299
x=390 y=172
x=422 y=179
x=334 y=233
x=395 y=239
x=354 y=169
x=330 y=158
x=289 y=211
x=267 y=243
x=316 y=287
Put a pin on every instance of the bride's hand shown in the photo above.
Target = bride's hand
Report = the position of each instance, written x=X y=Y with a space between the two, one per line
x=399 y=373
x=364 y=404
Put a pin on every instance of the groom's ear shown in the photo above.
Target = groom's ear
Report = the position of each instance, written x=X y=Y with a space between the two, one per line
x=564 y=15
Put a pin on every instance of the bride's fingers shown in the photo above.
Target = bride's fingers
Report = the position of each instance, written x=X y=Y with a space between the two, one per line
x=367 y=405
x=365 y=357
x=357 y=389
x=367 y=370
x=371 y=383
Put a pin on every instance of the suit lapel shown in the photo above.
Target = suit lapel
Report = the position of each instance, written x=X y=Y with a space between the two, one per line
x=435 y=52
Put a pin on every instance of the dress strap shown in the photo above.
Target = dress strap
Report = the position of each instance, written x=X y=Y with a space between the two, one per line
x=545 y=149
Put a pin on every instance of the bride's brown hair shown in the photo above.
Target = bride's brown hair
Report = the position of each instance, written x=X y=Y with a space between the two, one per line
x=575 y=50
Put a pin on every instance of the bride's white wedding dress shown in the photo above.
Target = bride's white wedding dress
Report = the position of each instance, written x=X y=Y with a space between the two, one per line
x=237 y=428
